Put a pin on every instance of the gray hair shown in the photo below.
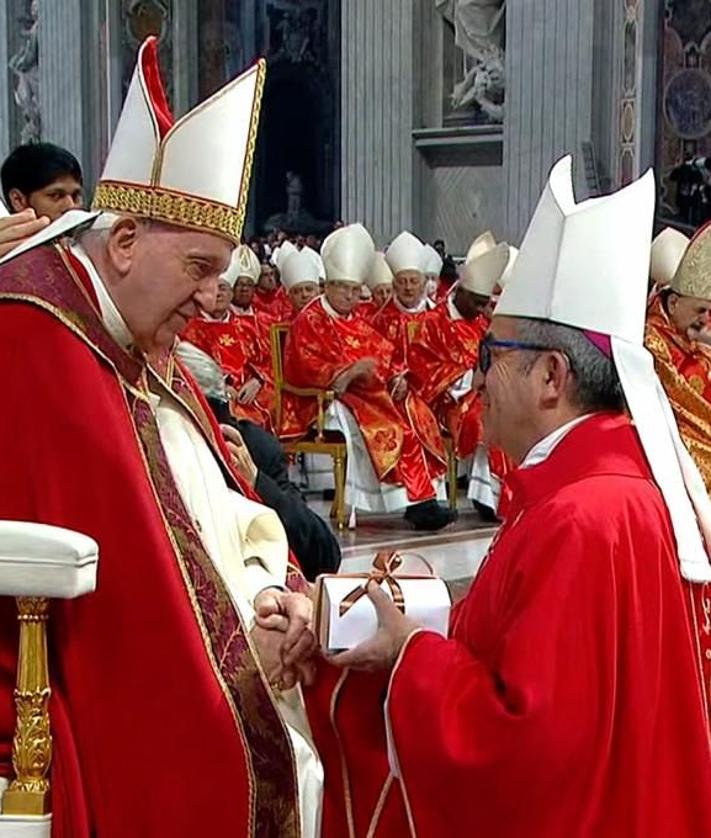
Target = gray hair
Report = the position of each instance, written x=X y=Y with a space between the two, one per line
x=597 y=386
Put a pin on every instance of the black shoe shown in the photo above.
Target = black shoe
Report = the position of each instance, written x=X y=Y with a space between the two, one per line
x=486 y=513
x=429 y=515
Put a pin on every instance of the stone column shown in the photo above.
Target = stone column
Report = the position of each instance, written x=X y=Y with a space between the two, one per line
x=377 y=82
x=549 y=72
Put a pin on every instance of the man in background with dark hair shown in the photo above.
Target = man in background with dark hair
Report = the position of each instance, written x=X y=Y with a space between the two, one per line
x=43 y=177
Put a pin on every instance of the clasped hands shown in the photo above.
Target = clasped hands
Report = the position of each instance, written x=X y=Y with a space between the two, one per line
x=287 y=645
x=284 y=637
x=364 y=370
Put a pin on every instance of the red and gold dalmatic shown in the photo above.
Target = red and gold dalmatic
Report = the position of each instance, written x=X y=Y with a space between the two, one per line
x=403 y=440
x=219 y=340
x=240 y=345
x=684 y=369
x=394 y=324
x=441 y=351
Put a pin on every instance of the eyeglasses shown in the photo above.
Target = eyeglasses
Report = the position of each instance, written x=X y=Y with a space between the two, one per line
x=488 y=343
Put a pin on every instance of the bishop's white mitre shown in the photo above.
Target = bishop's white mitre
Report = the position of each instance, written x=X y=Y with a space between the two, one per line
x=484 y=266
x=668 y=250
x=348 y=254
x=380 y=273
x=406 y=253
x=433 y=262
x=586 y=265
x=300 y=267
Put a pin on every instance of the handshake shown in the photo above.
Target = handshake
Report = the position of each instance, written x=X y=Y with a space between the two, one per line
x=284 y=637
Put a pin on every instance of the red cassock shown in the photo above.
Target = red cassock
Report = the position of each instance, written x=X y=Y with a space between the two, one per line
x=567 y=701
x=403 y=440
x=163 y=721
x=441 y=351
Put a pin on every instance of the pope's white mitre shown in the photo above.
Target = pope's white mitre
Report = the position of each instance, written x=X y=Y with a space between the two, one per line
x=348 y=254
x=585 y=265
x=668 y=250
x=406 y=253
x=380 y=273
x=194 y=172
x=298 y=268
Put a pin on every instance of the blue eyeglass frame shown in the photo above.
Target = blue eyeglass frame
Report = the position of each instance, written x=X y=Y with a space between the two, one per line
x=488 y=343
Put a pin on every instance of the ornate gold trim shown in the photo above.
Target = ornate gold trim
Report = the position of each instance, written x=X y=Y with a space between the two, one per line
x=171 y=207
x=28 y=794
x=375 y=820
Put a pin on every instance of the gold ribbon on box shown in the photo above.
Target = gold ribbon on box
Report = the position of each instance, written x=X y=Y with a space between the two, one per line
x=384 y=566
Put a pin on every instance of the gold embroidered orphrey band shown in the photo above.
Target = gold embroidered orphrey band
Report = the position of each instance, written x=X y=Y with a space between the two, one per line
x=170 y=207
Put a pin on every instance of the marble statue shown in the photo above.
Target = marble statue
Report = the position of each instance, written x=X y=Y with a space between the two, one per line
x=25 y=66
x=479 y=33
x=294 y=192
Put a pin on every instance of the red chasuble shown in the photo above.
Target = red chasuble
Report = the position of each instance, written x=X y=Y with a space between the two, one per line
x=252 y=330
x=163 y=722
x=567 y=701
x=403 y=441
x=442 y=351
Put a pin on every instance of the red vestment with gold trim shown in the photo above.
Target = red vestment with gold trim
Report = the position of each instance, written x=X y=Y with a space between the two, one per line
x=684 y=368
x=403 y=440
x=154 y=683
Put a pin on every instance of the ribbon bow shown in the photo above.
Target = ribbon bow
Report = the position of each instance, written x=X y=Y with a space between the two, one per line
x=384 y=566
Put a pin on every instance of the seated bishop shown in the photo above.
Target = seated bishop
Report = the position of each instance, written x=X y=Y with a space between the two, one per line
x=407 y=258
x=174 y=710
x=396 y=456
x=301 y=274
x=443 y=356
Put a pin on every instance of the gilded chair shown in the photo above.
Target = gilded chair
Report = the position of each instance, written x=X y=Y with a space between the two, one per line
x=319 y=440
x=37 y=563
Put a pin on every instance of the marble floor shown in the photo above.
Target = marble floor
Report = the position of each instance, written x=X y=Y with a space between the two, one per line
x=455 y=553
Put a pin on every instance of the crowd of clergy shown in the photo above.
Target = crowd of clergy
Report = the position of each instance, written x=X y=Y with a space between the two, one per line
x=572 y=694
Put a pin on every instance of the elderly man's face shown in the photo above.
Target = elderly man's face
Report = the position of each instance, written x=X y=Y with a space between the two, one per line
x=244 y=292
x=267 y=278
x=223 y=299
x=342 y=296
x=690 y=315
x=161 y=276
x=303 y=293
x=381 y=294
x=409 y=287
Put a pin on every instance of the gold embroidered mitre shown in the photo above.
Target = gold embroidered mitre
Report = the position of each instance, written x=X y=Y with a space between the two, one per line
x=693 y=276
x=192 y=173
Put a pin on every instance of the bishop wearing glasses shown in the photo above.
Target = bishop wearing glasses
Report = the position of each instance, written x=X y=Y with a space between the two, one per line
x=567 y=699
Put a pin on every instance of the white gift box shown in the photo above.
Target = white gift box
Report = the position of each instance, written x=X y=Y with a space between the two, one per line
x=426 y=601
